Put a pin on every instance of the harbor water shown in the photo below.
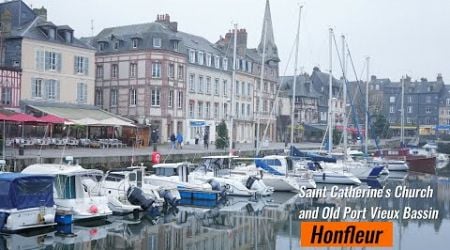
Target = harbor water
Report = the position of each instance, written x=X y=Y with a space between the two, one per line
x=242 y=223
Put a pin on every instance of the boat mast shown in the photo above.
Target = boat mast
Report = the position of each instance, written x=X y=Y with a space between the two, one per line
x=330 y=91
x=344 y=89
x=233 y=79
x=258 y=120
x=297 y=41
x=366 y=122
x=402 y=118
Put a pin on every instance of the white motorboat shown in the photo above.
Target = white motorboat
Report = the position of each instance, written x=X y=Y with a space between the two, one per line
x=176 y=176
x=393 y=165
x=358 y=169
x=216 y=168
x=72 y=193
x=26 y=202
x=272 y=172
x=327 y=176
x=127 y=192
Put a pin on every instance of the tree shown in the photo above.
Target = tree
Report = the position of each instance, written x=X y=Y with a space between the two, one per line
x=380 y=126
x=222 y=135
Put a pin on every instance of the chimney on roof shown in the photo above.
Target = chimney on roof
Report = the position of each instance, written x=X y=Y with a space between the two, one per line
x=439 y=78
x=423 y=79
x=373 y=78
x=42 y=12
x=165 y=19
x=241 y=40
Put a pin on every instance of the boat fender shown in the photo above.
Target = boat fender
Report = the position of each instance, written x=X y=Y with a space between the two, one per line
x=169 y=198
x=215 y=185
x=323 y=176
x=137 y=197
x=250 y=181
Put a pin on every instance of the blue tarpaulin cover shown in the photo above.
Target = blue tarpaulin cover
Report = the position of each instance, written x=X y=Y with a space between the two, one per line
x=24 y=191
x=295 y=152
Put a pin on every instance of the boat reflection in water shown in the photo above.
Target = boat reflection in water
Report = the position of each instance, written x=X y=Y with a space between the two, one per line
x=243 y=223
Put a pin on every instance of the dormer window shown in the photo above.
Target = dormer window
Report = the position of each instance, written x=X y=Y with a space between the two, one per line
x=156 y=42
x=192 y=56
x=200 y=58
x=216 y=62
x=208 y=60
x=175 y=45
x=225 y=63
x=116 y=45
x=51 y=33
x=134 y=43
x=101 y=46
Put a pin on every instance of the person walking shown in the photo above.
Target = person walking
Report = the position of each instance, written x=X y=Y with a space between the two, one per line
x=180 y=140
x=197 y=138
x=173 y=140
x=206 y=140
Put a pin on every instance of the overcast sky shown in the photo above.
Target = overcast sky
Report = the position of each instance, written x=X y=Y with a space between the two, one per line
x=401 y=36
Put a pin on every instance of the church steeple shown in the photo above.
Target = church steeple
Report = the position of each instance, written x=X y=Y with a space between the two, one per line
x=271 y=47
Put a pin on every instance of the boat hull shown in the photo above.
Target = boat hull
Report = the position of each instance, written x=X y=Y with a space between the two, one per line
x=28 y=219
x=420 y=164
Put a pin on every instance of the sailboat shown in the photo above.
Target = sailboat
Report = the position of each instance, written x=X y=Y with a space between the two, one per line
x=416 y=162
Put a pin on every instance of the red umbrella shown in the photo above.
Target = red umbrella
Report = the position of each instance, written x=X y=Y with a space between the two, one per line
x=51 y=119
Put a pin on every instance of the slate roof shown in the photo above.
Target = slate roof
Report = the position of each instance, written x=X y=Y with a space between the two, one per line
x=301 y=86
x=31 y=26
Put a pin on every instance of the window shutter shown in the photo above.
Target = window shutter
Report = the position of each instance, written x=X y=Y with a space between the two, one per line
x=86 y=66
x=57 y=90
x=47 y=60
x=58 y=62
x=33 y=87
x=45 y=89
x=85 y=94
x=75 y=62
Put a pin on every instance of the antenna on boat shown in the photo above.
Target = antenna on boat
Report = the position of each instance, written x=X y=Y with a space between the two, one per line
x=330 y=91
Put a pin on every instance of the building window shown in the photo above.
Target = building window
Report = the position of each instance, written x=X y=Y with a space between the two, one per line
x=392 y=99
x=36 y=88
x=116 y=45
x=114 y=97
x=180 y=72
x=180 y=100
x=428 y=110
x=81 y=65
x=236 y=89
x=175 y=45
x=156 y=69
x=408 y=120
x=200 y=110
x=249 y=89
x=410 y=99
x=216 y=110
x=216 y=62
x=52 y=89
x=207 y=110
x=225 y=88
x=225 y=110
x=156 y=42
x=243 y=109
x=428 y=99
x=216 y=86
x=391 y=109
x=409 y=109
x=101 y=46
x=99 y=72
x=200 y=57
x=170 y=103
x=243 y=89
x=265 y=108
x=208 y=60
x=6 y=95
x=192 y=56
x=98 y=97
x=208 y=85
x=51 y=60
x=81 y=92
x=249 y=112
x=135 y=43
x=225 y=63
x=377 y=87
x=133 y=70
x=191 y=109
x=133 y=97
x=249 y=67
x=236 y=109
x=266 y=87
x=200 y=84
x=171 y=71
x=191 y=82
x=156 y=97
x=114 y=70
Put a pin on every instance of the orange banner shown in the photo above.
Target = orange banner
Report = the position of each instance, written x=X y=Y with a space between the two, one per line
x=352 y=234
